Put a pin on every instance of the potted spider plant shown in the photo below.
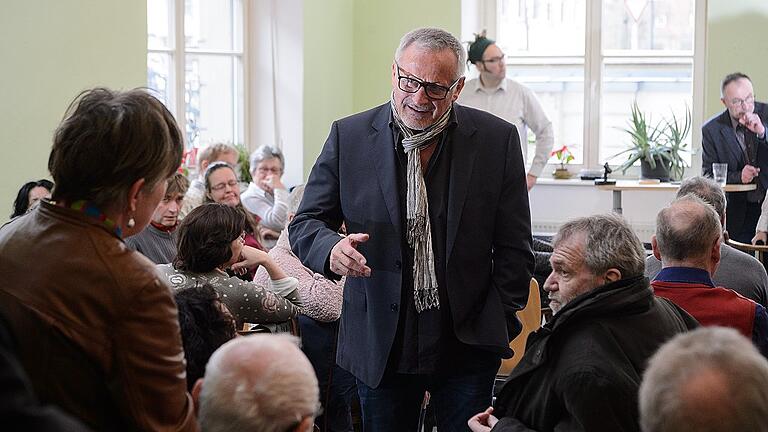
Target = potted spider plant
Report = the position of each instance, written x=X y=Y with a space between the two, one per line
x=658 y=146
x=675 y=132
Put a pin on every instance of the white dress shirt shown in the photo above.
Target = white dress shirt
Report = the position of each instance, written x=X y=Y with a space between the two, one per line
x=518 y=105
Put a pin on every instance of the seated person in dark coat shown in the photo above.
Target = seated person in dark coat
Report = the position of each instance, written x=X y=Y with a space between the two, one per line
x=206 y=324
x=687 y=241
x=582 y=370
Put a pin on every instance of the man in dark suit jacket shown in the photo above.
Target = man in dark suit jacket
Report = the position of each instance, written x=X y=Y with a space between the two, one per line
x=737 y=137
x=430 y=192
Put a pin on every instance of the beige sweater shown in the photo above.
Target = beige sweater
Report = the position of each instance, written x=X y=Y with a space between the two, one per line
x=321 y=297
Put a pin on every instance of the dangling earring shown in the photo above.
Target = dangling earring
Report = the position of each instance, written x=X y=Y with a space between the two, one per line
x=131 y=223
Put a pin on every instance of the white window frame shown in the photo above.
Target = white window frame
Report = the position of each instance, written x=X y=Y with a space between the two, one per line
x=482 y=14
x=177 y=53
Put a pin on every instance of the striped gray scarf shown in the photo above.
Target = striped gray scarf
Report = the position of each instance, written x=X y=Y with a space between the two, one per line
x=419 y=231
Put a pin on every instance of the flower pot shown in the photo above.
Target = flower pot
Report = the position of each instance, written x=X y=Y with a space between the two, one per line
x=661 y=171
x=562 y=174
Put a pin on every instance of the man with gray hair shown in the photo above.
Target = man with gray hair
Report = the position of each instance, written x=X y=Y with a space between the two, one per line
x=438 y=251
x=258 y=383
x=582 y=370
x=687 y=242
x=708 y=380
x=737 y=270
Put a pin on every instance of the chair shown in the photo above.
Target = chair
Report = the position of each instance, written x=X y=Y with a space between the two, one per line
x=530 y=318
x=758 y=251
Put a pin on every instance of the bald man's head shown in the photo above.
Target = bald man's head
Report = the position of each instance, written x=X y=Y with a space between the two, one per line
x=258 y=383
x=686 y=230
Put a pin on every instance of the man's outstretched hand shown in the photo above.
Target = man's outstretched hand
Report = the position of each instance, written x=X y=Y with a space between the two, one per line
x=346 y=260
x=482 y=422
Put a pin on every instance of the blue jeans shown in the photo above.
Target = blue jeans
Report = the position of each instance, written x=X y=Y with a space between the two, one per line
x=395 y=404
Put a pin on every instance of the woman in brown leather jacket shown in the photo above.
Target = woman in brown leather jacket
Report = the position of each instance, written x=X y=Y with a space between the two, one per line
x=97 y=329
x=210 y=241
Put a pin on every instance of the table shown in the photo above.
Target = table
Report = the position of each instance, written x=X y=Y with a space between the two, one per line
x=635 y=185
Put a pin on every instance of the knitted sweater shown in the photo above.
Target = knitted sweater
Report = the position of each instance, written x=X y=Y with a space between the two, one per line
x=158 y=246
x=321 y=297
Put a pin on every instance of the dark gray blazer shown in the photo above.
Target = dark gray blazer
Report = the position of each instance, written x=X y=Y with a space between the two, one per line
x=489 y=259
x=719 y=144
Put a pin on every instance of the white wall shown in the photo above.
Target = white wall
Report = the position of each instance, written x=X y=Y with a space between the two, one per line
x=554 y=202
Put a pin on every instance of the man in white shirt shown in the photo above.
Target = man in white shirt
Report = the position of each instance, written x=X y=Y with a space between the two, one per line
x=508 y=99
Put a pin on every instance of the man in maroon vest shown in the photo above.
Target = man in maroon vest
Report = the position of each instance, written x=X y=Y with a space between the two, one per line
x=687 y=242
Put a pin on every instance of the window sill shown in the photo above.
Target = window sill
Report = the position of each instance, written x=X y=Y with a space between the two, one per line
x=549 y=181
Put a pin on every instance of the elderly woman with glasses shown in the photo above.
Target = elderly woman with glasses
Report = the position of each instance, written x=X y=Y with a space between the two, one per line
x=211 y=240
x=267 y=196
x=222 y=187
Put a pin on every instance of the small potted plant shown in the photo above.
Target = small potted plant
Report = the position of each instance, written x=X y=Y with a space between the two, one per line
x=564 y=156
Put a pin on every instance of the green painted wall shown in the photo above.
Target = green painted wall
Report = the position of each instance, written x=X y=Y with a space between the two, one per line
x=51 y=50
x=348 y=50
x=378 y=27
x=328 y=71
x=735 y=42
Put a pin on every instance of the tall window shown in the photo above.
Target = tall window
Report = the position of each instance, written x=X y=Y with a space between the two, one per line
x=587 y=61
x=195 y=64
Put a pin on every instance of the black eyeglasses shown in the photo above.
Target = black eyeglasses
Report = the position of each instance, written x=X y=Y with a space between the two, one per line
x=494 y=60
x=434 y=91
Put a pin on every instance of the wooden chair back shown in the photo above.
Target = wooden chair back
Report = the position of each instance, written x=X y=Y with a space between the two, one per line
x=530 y=317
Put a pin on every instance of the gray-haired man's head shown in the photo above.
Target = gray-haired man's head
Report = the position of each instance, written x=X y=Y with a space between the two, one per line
x=711 y=379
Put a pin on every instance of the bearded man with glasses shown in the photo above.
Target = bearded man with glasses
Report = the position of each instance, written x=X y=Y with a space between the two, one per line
x=438 y=251
x=737 y=137
x=492 y=91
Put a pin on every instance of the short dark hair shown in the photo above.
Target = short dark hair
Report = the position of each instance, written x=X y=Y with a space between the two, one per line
x=110 y=139
x=205 y=237
x=205 y=325
x=731 y=78
x=21 y=203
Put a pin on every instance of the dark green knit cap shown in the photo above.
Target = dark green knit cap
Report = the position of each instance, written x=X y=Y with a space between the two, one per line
x=477 y=48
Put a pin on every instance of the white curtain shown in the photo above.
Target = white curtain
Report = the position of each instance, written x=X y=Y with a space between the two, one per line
x=275 y=77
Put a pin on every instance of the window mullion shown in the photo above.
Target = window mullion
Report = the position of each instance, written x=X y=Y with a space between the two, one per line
x=180 y=68
x=245 y=64
x=699 y=80
x=592 y=87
